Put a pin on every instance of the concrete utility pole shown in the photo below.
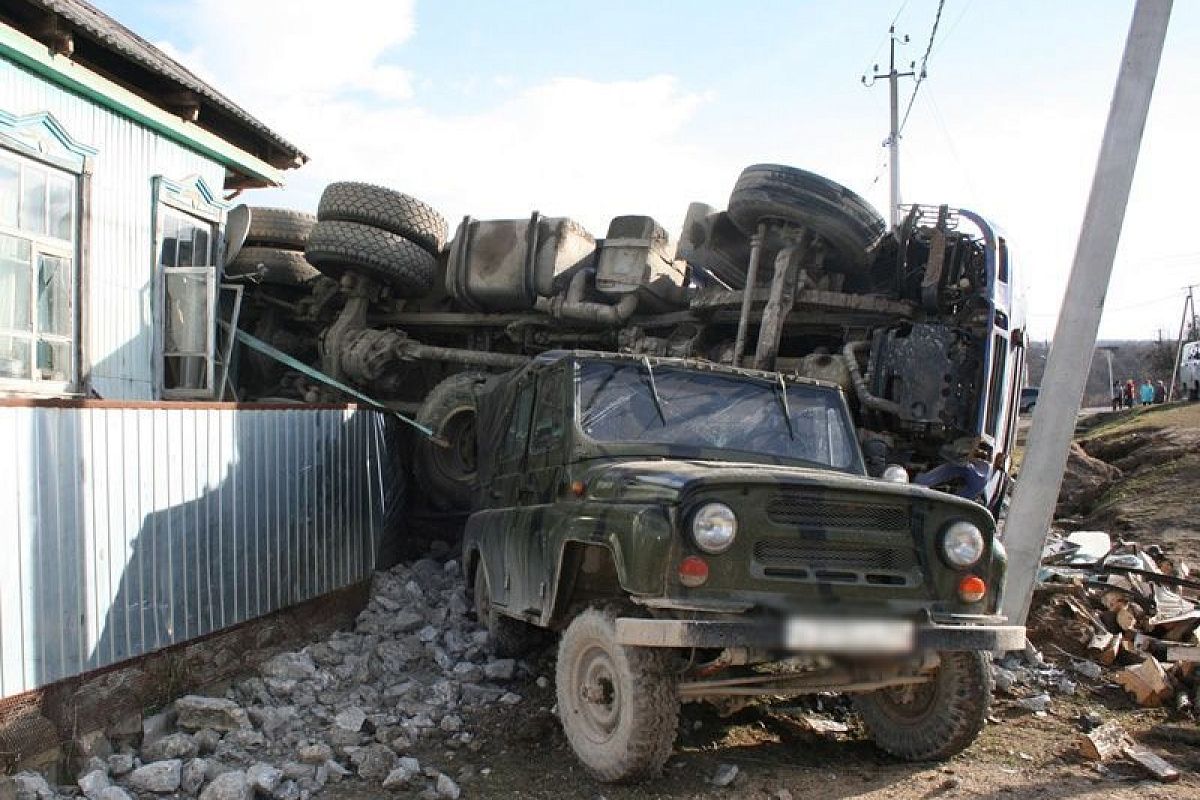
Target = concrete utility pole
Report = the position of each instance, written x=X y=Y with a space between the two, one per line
x=1189 y=314
x=893 y=140
x=1108 y=351
x=1034 y=498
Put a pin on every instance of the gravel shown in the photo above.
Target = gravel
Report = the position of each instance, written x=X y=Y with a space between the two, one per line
x=412 y=674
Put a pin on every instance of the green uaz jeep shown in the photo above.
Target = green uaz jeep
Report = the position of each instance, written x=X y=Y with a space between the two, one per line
x=700 y=532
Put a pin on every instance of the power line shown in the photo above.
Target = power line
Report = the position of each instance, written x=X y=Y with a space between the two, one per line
x=937 y=18
x=1128 y=306
x=941 y=122
x=954 y=25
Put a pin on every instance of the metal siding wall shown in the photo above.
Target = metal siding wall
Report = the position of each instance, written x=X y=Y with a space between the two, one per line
x=120 y=337
x=125 y=530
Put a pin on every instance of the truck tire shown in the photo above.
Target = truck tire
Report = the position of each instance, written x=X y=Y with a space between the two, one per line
x=337 y=247
x=935 y=720
x=279 y=227
x=847 y=223
x=383 y=208
x=508 y=637
x=272 y=266
x=618 y=705
x=447 y=474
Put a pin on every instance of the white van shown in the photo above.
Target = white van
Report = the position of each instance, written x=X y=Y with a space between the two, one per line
x=1189 y=370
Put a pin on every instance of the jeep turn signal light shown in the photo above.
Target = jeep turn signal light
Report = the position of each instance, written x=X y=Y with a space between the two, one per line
x=693 y=571
x=578 y=489
x=971 y=589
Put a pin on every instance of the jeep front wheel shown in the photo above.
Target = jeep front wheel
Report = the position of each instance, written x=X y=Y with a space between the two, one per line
x=618 y=705
x=935 y=720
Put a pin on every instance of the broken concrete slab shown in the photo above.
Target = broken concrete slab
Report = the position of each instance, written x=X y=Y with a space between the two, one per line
x=159 y=777
x=196 y=712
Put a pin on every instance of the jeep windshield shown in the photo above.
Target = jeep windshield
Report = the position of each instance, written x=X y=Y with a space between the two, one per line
x=708 y=414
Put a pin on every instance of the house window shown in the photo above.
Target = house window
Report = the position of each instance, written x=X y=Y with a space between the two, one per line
x=38 y=208
x=186 y=259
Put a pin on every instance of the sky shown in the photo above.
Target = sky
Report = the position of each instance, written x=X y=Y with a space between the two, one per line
x=596 y=109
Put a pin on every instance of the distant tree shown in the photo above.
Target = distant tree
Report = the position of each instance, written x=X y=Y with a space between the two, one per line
x=1162 y=359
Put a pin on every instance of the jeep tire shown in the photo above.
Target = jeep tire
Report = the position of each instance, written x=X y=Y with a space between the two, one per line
x=447 y=474
x=847 y=223
x=508 y=637
x=379 y=207
x=935 y=720
x=337 y=247
x=618 y=705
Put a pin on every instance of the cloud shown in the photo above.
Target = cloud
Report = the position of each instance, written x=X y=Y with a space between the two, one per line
x=590 y=149
x=266 y=54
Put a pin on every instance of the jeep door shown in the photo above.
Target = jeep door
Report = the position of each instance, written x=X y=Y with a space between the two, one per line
x=495 y=523
x=528 y=556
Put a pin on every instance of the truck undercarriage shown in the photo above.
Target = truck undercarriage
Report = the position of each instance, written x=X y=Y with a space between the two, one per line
x=797 y=275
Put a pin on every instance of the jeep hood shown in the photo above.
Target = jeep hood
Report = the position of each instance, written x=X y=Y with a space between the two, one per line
x=670 y=479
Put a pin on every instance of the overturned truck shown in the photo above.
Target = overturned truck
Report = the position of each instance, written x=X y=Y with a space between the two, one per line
x=921 y=325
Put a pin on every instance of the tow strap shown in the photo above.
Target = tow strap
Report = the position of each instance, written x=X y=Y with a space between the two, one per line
x=317 y=375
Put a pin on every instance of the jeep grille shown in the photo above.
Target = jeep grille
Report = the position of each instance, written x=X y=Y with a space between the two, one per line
x=821 y=562
x=814 y=510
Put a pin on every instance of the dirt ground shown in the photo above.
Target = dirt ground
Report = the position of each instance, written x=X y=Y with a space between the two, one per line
x=521 y=752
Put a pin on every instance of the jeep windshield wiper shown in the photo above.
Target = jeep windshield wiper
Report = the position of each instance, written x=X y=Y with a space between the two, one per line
x=783 y=402
x=658 y=404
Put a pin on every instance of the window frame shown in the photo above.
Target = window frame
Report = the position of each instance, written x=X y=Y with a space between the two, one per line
x=190 y=198
x=47 y=245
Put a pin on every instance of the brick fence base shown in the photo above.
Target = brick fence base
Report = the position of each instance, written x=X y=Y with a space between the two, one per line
x=43 y=729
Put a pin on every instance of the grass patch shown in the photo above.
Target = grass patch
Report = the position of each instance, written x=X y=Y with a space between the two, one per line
x=1147 y=485
x=1174 y=415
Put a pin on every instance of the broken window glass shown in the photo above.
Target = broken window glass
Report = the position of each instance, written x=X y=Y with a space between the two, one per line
x=54 y=295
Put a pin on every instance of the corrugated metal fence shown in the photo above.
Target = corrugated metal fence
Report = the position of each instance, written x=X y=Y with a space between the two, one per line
x=128 y=528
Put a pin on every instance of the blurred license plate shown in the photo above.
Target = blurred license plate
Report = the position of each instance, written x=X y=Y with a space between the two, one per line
x=850 y=635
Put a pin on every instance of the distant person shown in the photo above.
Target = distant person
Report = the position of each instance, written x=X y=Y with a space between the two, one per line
x=1128 y=394
x=1160 y=392
x=1117 y=398
x=1146 y=392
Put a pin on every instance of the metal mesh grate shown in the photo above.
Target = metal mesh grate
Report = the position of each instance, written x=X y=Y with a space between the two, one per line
x=812 y=510
x=773 y=553
x=24 y=732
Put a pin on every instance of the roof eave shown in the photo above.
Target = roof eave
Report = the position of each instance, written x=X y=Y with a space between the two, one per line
x=36 y=57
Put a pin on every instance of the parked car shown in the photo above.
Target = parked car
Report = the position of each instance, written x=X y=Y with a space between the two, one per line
x=921 y=326
x=1029 y=396
x=699 y=532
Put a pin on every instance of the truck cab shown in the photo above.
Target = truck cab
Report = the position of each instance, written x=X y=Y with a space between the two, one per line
x=699 y=532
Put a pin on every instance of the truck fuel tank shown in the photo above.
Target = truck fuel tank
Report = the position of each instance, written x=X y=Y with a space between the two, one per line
x=506 y=264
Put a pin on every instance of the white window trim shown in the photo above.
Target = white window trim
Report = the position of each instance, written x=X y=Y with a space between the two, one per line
x=193 y=197
x=44 y=244
x=41 y=139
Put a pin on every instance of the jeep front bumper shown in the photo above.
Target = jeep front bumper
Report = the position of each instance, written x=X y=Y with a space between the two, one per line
x=820 y=634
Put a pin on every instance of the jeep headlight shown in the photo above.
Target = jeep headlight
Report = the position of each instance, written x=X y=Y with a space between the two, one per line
x=714 y=527
x=962 y=544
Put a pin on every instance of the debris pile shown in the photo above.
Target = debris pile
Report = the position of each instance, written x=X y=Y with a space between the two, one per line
x=355 y=706
x=1125 y=608
x=1125 y=614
